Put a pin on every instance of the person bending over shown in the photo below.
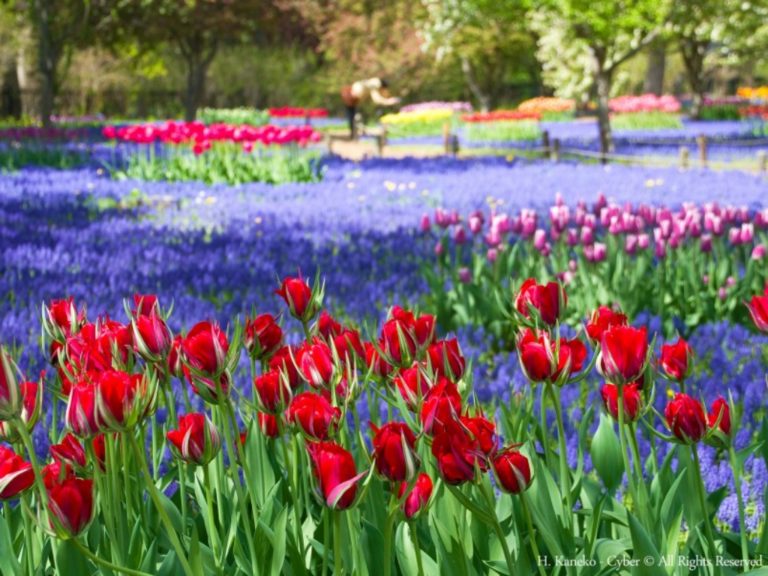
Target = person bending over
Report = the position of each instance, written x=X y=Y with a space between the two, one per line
x=354 y=94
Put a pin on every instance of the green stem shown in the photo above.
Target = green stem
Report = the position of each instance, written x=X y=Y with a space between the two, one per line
x=565 y=475
x=486 y=490
x=100 y=561
x=388 y=526
x=338 y=565
x=532 y=534
x=154 y=493
x=740 y=501
x=326 y=546
x=214 y=534
x=292 y=491
x=413 y=529
x=623 y=445
x=27 y=525
x=544 y=430
x=703 y=503
x=643 y=497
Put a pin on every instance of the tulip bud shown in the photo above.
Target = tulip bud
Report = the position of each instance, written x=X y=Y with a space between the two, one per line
x=334 y=469
x=719 y=423
x=441 y=405
x=16 y=475
x=10 y=397
x=686 y=419
x=151 y=337
x=465 y=275
x=631 y=405
x=272 y=392
x=69 y=452
x=268 y=425
x=263 y=336
x=623 y=353
x=61 y=319
x=513 y=471
x=71 y=505
x=123 y=400
x=547 y=300
x=677 y=360
x=81 y=409
x=412 y=385
x=313 y=414
x=418 y=498
x=758 y=252
x=446 y=359
x=315 y=362
x=196 y=441
x=299 y=298
x=758 y=309
x=601 y=320
x=204 y=353
x=457 y=453
x=394 y=451
x=31 y=407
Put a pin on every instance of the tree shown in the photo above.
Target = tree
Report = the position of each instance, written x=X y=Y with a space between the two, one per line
x=490 y=40
x=585 y=42
x=710 y=33
x=196 y=29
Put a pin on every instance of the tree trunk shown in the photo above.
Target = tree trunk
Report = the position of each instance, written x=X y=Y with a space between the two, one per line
x=198 y=58
x=654 y=74
x=603 y=86
x=47 y=59
x=10 y=97
x=693 y=59
x=483 y=98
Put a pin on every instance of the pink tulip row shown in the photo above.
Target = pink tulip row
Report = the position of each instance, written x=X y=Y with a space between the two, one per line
x=645 y=103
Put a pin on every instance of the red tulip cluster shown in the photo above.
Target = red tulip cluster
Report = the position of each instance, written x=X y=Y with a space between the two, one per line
x=291 y=112
x=202 y=136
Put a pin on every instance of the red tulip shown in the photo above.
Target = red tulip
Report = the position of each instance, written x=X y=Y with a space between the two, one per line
x=71 y=504
x=31 y=407
x=677 y=360
x=69 y=452
x=441 y=406
x=397 y=343
x=151 y=337
x=513 y=471
x=327 y=326
x=16 y=475
x=268 y=425
x=205 y=358
x=299 y=298
x=412 y=385
x=145 y=305
x=758 y=309
x=632 y=401
x=282 y=361
x=348 y=345
x=263 y=336
x=483 y=431
x=55 y=473
x=175 y=363
x=547 y=299
x=315 y=362
x=457 y=453
x=394 y=451
x=418 y=497
x=62 y=318
x=196 y=441
x=623 y=353
x=122 y=399
x=272 y=392
x=720 y=412
x=335 y=471
x=81 y=409
x=446 y=359
x=686 y=419
x=540 y=360
x=314 y=414
x=375 y=363
x=601 y=320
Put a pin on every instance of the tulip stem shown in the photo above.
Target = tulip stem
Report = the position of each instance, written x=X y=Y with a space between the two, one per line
x=703 y=503
x=21 y=428
x=100 y=561
x=154 y=493
x=27 y=527
x=643 y=498
x=414 y=530
x=565 y=475
x=338 y=566
x=532 y=533
x=214 y=534
x=485 y=488
x=388 y=525
x=326 y=547
x=740 y=500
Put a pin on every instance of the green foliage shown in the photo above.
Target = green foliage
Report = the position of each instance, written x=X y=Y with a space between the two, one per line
x=238 y=116
x=16 y=156
x=646 y=121
x=224 y=163
x=502 y=131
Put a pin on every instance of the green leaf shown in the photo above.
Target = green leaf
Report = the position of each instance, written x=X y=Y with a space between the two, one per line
x=69 y=560
x=8 y=562
x=278 y=544
x=644 y=550
x=606 y=454
x=406 y=553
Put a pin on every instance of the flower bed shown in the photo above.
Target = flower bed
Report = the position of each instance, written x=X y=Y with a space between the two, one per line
x=294 y=112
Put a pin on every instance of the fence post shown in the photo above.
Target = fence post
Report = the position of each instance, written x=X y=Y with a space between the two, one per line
x=684 y=153
x=555 y=150
x=545 y=142
x=762 y=162
x=702 y=142
x=447 y=137
x=381 y=140
x=455 y=147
